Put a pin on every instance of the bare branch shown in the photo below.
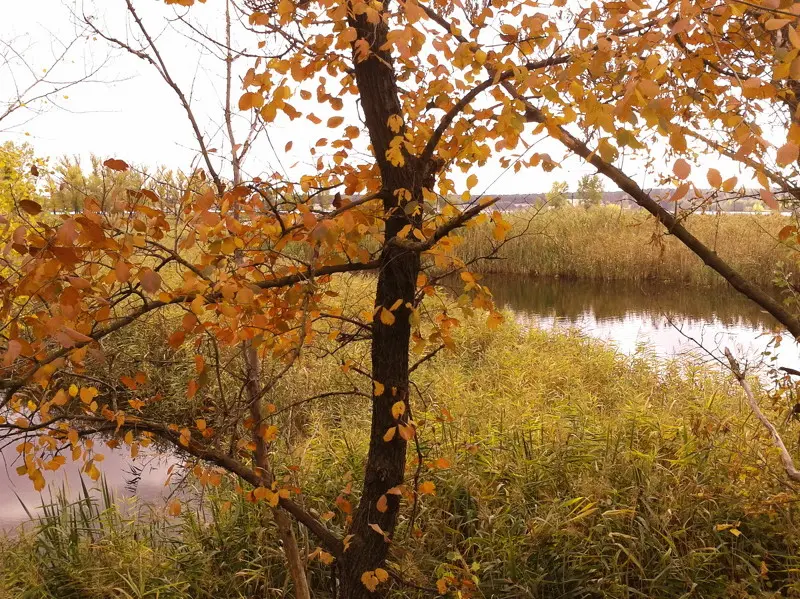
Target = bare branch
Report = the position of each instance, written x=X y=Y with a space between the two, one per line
x=786 y=459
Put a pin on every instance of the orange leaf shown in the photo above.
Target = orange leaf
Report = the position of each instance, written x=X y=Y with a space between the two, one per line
x=30 y=207
x=116 y=165
x=442 y=463
x=378 y=529
x=768 y=198
x=788 y=153
x=681 y=168
x=714 y=178
x=88 y=394
x=150 y=280
x=787 y=232
x=427 y=488
x=122 y=270
x=251 y=100
x=775 y=24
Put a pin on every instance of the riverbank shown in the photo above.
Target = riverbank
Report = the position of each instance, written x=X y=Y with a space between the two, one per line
x=608 y=243
x=559 y=468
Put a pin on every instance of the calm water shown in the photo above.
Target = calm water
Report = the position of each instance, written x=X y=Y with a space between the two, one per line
x=659 y=316
x=626 y=315
x=147 y=478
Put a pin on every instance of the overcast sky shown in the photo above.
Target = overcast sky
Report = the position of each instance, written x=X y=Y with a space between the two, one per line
x=131 y=114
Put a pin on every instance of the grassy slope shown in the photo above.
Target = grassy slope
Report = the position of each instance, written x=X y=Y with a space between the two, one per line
x=574 y=473
x=612 y=244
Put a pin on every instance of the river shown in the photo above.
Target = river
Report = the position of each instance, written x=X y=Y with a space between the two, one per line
x=631 y=317
x=668 y=320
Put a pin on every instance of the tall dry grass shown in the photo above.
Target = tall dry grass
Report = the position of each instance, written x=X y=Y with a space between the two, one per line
x=608 y=243
x=561 y=469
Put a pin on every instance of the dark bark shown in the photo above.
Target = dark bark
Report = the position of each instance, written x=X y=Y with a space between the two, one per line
x=399 y=266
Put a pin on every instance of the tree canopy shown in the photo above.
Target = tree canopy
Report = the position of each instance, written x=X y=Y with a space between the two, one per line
x=247 y=276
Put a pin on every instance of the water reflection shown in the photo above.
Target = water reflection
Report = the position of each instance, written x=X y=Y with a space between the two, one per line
x=145 y=478
x=658 y=316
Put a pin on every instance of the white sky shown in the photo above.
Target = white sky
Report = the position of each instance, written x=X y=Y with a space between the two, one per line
x=132 y=114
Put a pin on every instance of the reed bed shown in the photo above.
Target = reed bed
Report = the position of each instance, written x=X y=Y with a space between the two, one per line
x=561 y=469
x=608 y=243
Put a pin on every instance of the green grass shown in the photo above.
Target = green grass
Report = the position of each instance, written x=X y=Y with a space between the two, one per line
x=612 y=244
x=573 y=472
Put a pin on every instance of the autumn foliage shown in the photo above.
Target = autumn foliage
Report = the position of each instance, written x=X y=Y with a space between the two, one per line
x=252 y=277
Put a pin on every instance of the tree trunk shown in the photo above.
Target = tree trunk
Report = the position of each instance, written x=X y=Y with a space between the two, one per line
x=386 y=461
x=297 y=569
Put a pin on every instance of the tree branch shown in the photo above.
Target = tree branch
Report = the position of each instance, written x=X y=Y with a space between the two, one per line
x=786 y=459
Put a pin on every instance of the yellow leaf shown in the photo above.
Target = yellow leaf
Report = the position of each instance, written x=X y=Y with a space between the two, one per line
x=648 y=88
x=38 y=480
x=379 y=389
x=398 y=409
x=387 y=317
x=381 y=574
x=88 y=394
x=285 y=8
x=389 y=435
x=270 y=433
x=335 y=121
x=369 y=580
x=60 y=398
x=395 y=123
x=174 y=508
x=794 y=37
x=73 y=390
